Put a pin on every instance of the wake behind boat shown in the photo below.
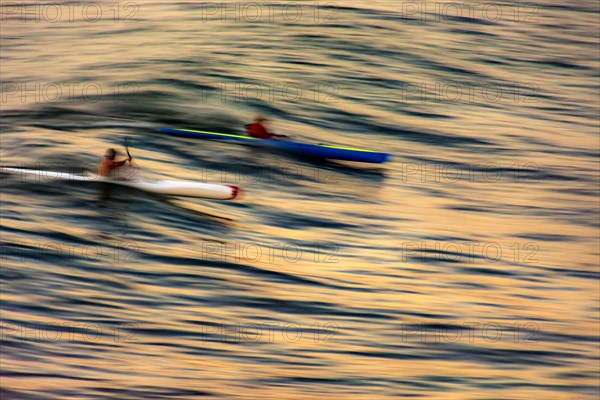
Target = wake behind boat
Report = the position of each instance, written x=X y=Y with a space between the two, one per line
x=164 y=187
x=303 y=149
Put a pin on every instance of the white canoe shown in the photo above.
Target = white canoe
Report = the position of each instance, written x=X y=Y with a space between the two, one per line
x=171 y=188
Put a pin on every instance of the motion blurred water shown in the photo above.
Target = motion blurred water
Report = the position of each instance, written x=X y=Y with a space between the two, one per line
x=467 y=268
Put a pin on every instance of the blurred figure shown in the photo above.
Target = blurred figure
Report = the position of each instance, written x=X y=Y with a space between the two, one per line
x=109 y=164
x=105 y=170
x=258 y=129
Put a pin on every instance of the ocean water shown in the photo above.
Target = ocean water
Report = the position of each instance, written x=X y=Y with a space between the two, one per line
x=465 y=268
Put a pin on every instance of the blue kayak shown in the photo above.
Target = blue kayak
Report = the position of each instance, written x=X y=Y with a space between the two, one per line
x=303 y=149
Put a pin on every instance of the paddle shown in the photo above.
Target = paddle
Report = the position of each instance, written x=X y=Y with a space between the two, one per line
x=131 y=162
x=126 y=143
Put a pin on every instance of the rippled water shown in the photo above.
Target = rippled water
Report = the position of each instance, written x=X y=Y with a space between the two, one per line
x=467 y=268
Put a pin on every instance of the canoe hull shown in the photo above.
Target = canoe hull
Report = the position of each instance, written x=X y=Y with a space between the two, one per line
x=170 y=188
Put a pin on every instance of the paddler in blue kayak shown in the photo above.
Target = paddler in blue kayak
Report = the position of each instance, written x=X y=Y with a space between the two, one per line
x=258 y=129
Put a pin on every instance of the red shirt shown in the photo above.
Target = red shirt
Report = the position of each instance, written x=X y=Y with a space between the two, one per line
x=259 y=131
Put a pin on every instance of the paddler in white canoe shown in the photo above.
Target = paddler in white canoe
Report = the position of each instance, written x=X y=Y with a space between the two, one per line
x=107 y=168
x=107 y=176
x=108 y=164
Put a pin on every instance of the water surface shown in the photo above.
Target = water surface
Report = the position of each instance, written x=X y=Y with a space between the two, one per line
x=466 y=268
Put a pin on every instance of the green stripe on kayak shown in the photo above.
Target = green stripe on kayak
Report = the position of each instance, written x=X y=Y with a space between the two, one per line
x=220 y=134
